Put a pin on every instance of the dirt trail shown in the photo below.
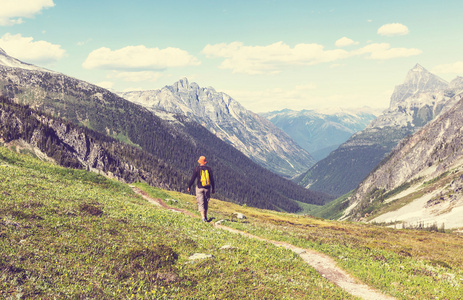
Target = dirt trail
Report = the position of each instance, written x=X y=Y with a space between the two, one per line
x=324 y=264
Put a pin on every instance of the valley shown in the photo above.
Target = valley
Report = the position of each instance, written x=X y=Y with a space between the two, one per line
x=332 y=135
x=73 y=233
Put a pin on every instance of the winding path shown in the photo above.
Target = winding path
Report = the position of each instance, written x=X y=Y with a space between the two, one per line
x=324 y=264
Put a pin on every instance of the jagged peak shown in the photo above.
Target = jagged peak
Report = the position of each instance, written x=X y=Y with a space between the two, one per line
x=2 y=51
x=456 y=83
x=184 y=81
x=418 y=68
x=418 y=80
x=418 y=72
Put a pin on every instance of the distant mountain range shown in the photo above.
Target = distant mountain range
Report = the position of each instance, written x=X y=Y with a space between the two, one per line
x=421 y=182
x=420 y=99
x=253 y=135
x=320 y=133
x=174 y=142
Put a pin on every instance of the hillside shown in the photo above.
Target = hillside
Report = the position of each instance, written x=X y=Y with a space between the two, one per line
x=421 y=181
x=79 y=147
x=225 y=117
x=421 y=98
x=320 y=133
x=175 y=141
x=75 y=234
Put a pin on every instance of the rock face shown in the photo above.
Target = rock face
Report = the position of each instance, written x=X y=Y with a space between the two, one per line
x=429 y=165
x=253 y=135
x=420 y=99
x=418 y=80
x=320 y=133
x=71 y=146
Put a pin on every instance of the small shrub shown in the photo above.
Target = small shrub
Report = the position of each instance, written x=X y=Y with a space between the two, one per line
x=91 y=209
x=440 y=263
x=146 y=260
x=404 y=253
x=24 y=216
x=379 y=258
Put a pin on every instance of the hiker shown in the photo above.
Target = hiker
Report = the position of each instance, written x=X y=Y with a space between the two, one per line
x=204 y=184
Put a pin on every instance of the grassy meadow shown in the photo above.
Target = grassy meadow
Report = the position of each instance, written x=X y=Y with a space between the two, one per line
x=406 y=264
x=77 y=235
x=71 y=234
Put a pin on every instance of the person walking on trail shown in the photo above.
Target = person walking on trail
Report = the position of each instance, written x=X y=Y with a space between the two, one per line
x=204 y=185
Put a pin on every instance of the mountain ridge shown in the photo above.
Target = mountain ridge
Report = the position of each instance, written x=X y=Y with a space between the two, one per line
x=225 y=117
x=178 y=143
x=423 y=96
x=428 y=165
x=320 y=133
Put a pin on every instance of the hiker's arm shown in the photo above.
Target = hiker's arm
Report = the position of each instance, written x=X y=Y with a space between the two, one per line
x=192 y=180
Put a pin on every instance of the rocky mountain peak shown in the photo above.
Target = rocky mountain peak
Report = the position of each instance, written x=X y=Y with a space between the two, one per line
x=418 y=68
x=225 y=117
x=2 y=52
x=418 y=80
x=183 y=83
x=457 y=83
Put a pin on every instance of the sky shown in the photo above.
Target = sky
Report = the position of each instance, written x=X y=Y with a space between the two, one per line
x=266 y=54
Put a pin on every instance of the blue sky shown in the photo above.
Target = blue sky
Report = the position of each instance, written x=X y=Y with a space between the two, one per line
x=268 y=55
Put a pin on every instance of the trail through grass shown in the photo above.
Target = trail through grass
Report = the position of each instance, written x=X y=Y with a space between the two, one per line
x=406 y=264
x=70 y=234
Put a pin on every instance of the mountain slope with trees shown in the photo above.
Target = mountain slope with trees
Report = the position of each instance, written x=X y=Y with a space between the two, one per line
x=225 y=117
x=177 y=144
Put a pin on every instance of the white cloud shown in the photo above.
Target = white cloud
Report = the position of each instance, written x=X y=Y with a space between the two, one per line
x=270 y=59
x=136 y=76
x=28 y=50
x=344 y=42
x=336 y=66
x=454 y=68
x=383 y=51
x=12 y=11
x=393 y=29
x=305 y=87
x=139 y=58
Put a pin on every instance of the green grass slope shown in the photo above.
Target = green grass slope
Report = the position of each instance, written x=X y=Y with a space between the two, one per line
x=71 y=234
x=406 y=264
